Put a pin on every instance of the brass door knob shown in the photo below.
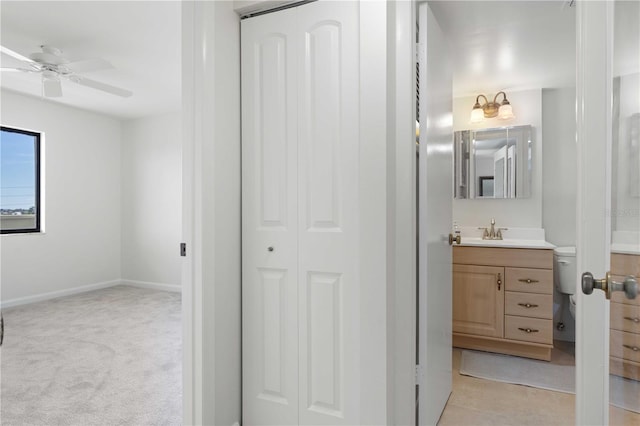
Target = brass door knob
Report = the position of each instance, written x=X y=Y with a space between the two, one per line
x=629 y=285
x=453 y=239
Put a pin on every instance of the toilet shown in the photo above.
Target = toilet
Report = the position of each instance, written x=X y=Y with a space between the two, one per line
x=564 y=271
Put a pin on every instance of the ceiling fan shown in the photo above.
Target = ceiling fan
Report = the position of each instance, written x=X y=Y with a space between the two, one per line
x=53 y=67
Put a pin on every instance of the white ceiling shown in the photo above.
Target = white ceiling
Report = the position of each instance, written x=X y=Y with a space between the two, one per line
x=140 y=38
x=496 y=45
x=508 y=45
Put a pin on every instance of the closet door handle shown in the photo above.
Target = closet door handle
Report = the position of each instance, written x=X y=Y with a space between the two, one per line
x=499 y=282
x=527 y=305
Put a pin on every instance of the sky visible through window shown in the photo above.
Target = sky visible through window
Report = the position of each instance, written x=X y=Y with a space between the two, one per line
x=17 y=173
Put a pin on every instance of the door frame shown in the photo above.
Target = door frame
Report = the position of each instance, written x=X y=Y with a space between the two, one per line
x=211 y=148
x=594 y=54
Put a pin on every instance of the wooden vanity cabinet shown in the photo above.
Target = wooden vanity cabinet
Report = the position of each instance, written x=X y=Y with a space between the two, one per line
x=478 y=302
x=503 y=300
x=625 y=321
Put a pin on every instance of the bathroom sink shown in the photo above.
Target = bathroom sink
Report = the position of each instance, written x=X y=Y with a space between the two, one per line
x=511 y=243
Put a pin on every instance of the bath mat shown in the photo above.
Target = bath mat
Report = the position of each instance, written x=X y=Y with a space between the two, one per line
x=623 y=393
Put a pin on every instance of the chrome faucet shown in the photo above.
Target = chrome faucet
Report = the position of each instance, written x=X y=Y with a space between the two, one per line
x=491 y=233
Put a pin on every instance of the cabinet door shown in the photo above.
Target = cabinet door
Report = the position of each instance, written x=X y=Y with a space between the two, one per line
x=478 y=300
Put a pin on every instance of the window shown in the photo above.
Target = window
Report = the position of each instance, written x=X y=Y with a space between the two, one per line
x=19 y=181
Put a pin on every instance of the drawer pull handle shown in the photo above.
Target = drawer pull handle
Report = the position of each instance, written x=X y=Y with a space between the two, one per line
x=528 y=280
x=527 y=305
x=528 y=330
x=499 y=281
x=636 y=320
x=633 y=348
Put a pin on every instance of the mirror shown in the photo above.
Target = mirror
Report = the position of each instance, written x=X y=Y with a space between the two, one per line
x=493 y=163
x=625 y=195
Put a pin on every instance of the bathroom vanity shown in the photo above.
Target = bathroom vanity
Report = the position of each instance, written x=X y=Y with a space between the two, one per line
x=624 y=342
x=503 y=298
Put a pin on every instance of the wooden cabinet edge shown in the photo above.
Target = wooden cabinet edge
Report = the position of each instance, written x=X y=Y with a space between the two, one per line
x=503 y=257
x=624 y=368
x=503 y=346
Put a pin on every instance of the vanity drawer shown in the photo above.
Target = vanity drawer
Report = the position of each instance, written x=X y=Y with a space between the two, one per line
x=619 y=297
x=528 y=305
x=624 y=345
x=528 y=329
x=529 y=280
x=625 y=317
x=625 y=264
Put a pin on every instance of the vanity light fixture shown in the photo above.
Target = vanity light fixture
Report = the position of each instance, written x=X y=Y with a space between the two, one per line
x=491 y=109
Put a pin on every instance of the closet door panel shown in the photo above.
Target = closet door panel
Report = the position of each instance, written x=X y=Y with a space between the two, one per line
x=328 y=88
x=270 y=225
x=321 y=126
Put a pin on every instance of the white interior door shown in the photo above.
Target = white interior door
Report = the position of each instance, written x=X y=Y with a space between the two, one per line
x=435 y=213
x=301 y=294
x=594 y=178
x=270 y=219
x=609 y=230
x=328 y=127
x=511 y=172
x=500 y=173
x=602 y=329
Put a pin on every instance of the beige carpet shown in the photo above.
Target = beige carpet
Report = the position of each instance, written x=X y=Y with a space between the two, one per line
x=623 y=393
x=107 y=357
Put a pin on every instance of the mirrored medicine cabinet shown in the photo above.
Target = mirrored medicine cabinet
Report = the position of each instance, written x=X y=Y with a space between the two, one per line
x=493 y=163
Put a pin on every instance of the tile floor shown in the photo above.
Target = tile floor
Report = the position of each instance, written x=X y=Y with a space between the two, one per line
x=484 y=402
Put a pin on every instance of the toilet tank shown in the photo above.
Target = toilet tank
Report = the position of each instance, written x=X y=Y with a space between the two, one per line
x=564 y=269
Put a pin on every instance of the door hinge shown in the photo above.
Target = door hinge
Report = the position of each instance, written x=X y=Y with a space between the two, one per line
x=419 y=52
x=418 y=375
x=183 y=249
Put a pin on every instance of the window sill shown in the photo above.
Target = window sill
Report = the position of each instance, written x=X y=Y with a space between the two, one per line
x=23 y=234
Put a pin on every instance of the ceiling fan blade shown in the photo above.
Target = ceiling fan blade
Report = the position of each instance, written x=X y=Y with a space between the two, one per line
x=15 y=55
x=5 y=69
x=101 y=86
x=89 y=65
x=51 y=88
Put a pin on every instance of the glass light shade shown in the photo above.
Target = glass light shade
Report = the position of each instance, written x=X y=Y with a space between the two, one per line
x=477 y=115
x=505 y=112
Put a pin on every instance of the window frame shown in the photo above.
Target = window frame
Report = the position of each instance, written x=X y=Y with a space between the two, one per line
x=38 y=146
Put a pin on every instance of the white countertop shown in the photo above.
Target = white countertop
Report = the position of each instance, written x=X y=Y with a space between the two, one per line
x=530 y=238
x=506 y=243
x=621 y=248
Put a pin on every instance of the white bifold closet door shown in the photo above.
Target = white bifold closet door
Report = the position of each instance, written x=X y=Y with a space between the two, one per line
x=301 y=293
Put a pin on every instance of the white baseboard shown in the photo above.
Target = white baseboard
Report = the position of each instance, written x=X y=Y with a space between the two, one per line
x=60 y=293
x=88 y=287
x=176 y=288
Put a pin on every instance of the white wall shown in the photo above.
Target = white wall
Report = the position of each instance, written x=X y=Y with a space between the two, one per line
x=559 y=165
x=212 y=376
x=151 y=199
x=559 y=184
x=526 y=212
x=81 y=244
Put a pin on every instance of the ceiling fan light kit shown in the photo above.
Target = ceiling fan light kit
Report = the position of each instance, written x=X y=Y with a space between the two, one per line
x=53 y=66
